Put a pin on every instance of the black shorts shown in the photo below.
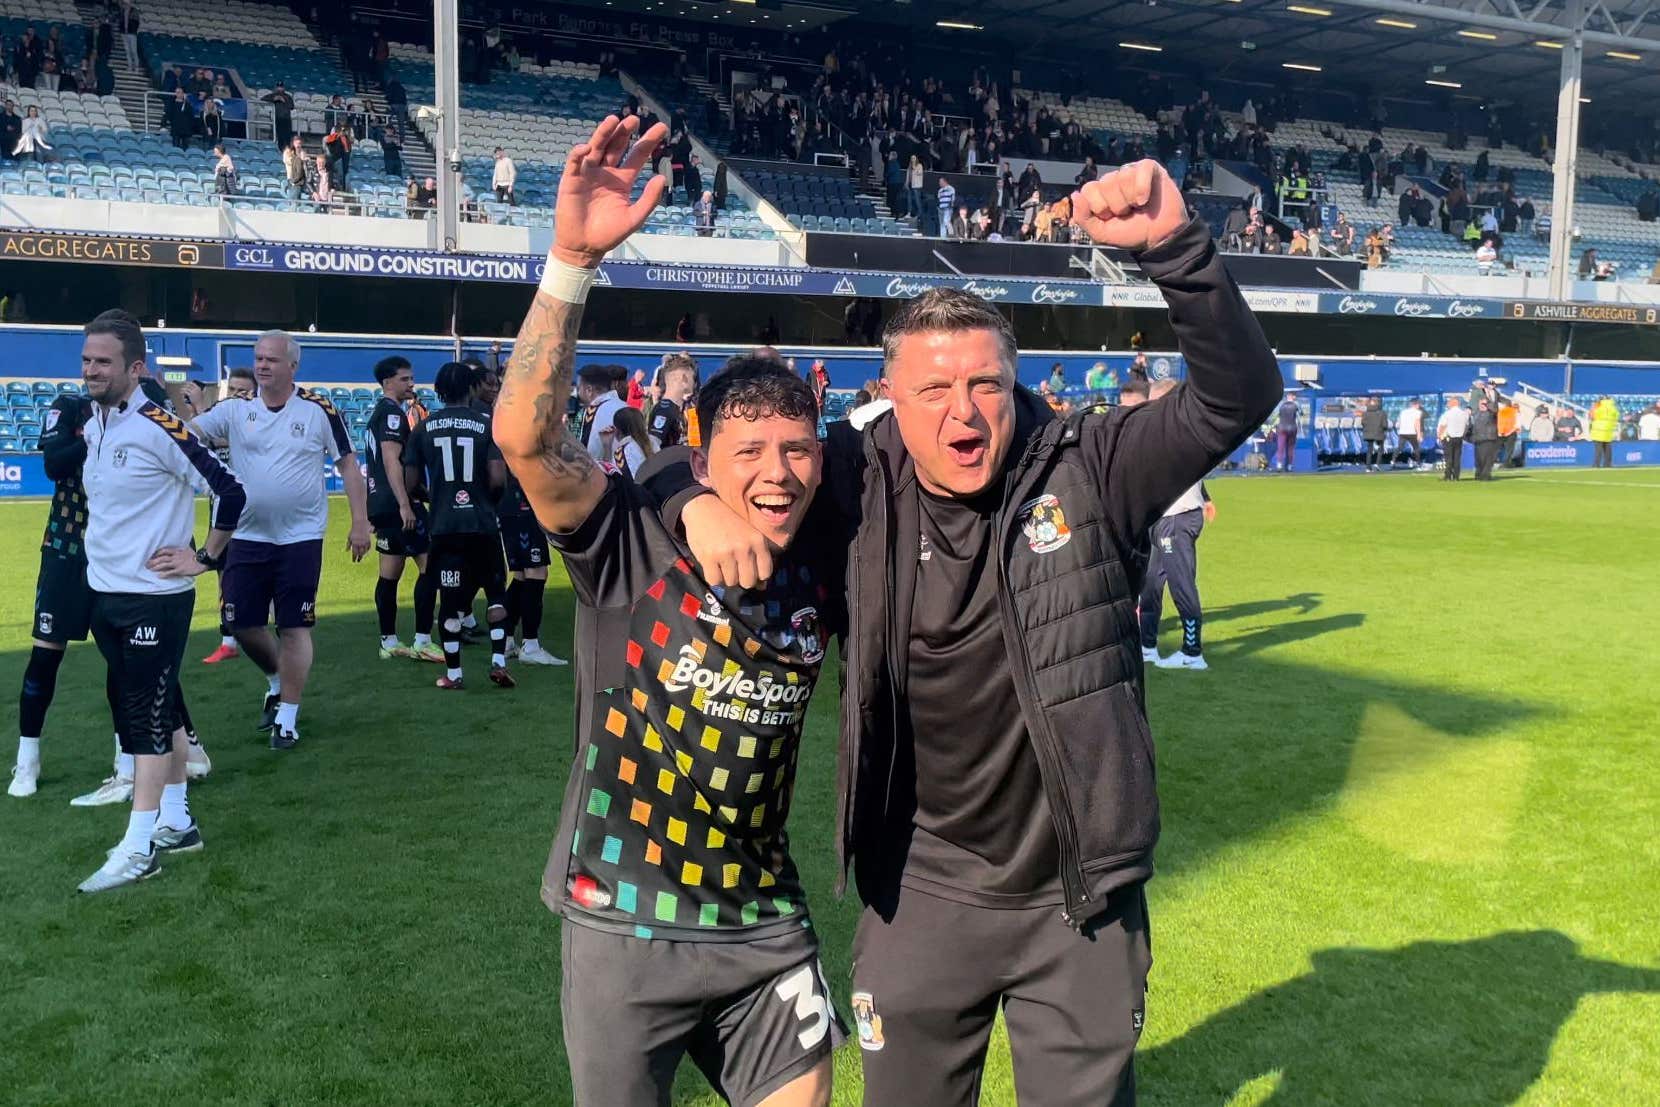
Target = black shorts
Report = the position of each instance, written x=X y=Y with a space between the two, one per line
x=470 y=563
x=63 y=600
x=142 y=638
x=260 y=574
x=753 y=1016
x=391 y=539
x=929 y=982
x=525 y=543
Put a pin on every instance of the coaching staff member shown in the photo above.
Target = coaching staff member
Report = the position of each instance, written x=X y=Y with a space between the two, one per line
x=141 y=468
x=278 y=441
x=996 y=777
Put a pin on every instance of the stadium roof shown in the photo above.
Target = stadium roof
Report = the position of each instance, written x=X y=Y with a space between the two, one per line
x=1498 y=51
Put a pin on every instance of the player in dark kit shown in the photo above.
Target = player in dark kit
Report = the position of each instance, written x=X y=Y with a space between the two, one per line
x=667 y=422
x=401 y=528
x=685 y=927
x=526 y=547
x=453 y=461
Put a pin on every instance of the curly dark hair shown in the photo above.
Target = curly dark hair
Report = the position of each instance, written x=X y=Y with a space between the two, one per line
x=753 y=387
x=454 y=382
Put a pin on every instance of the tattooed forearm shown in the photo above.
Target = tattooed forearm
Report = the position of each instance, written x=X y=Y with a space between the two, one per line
x=558 y=476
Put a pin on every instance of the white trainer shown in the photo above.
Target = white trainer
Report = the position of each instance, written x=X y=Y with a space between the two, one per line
x=536 y=655
x=24 y=778
x=197 y=763
x=1151 y=656
x=122 y=869
x=1179 y=660
x=511 y=650
x=114 y=789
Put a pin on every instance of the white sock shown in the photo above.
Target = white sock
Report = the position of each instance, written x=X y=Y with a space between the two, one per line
x=124 y=766
x=530 y=645
x=28 y=751
x=389 y=641
x=423 y=640
x=175 y=808
x=229 y=642
x=274 y=683
x=140 y=826
x=287 y=715
x=454 y=674
x=470 y=622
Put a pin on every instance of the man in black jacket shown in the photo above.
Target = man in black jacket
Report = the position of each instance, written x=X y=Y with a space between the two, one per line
x=1374 y=429
x=997 y=795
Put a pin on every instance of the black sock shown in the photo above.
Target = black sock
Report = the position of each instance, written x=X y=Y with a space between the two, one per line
x=386 y=606
x=530 y=608
x=515 y=589
x=40 y=682
x=426 y=601
x=184 y=713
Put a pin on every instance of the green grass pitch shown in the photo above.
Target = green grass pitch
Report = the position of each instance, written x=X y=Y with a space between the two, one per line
x=1411 y=851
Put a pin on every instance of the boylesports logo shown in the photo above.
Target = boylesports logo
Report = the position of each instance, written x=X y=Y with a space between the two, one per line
x=1044 y=524
x=764 y=690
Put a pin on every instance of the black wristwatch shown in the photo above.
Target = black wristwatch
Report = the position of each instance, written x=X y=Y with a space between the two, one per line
x=207 y=560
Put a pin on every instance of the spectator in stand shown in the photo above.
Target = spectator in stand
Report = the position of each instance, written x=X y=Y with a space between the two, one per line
x=224 y=172
x=1374 y=430
x=338 y=144
x=1541 y=429
x=391 y=151
x=293 y=168
x=320 y=182
x=380 y=52
x=1299 y=243
x=1271 y=243
x=221 y=88
x=129 y=36
x=11 y=130
x=282 y=107
x=1605 y=428
x=1527 y=214
x=200 y=84
x=703 y=214
x=694 y=178
x=1487 y=255
x=397 y=99
x=33 y=136
x=504 y=177
x=947 y=201
x=213 y=124
x=103 y=39
x=428 y=194
x=960 y=227
x=1251 y=239
x=1648 y=425
x=1343 y=236
x=913 y=190
x=28 y=56
x=1568 y=426
x=181 y=121
x=412 y=200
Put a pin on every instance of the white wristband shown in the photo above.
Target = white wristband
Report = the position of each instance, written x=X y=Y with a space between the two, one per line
x=568 y=283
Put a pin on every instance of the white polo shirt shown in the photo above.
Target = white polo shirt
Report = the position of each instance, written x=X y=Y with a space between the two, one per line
x=279 y=457
x=1191 y=500
x=602 y=426
x=141 y=468
x=1648 y=427
x=1411 y=422
x=1455 y=423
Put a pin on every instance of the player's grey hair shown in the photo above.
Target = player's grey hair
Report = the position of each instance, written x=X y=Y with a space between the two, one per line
x=293 y=347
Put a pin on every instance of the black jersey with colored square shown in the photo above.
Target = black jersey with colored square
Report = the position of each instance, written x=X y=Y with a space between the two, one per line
x=453 y=447
x=690 y=702
x=63 y=449
x=667 y=424
x=389 y=422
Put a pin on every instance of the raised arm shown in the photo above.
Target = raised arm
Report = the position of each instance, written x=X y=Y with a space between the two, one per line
x=1150 y=454
x=593 y=215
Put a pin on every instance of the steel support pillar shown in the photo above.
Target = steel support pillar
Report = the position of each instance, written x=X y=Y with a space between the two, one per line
x=446 y=58
x=1563 y=265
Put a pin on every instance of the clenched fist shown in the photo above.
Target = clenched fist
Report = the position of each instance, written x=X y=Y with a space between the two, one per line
x=1134 y=208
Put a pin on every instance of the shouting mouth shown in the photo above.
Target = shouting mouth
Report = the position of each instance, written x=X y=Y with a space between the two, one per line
x=967 y=450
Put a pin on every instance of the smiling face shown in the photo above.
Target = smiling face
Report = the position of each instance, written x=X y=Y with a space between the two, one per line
x=764 y=469
x=953 y=395
x=108 y=376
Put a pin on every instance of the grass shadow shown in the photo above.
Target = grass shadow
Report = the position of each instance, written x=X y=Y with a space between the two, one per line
x=1469 y=1022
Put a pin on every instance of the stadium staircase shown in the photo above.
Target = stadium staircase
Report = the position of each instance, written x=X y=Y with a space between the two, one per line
x=131 y=86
